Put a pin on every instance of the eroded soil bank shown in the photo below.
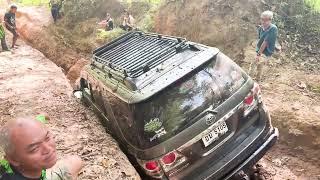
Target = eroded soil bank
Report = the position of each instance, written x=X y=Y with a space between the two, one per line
x=31 y=84
x=35 y=27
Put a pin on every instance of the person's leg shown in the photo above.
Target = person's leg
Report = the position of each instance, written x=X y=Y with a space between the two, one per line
x=55 y=18
x=15 y=38
x=55 y=13
x=52 y=12
x=4 y=44
x=261 y=66
x=252 y=68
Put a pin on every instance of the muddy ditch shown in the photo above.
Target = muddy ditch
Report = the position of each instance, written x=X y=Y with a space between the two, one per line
x=41 y=34
x=76 y=128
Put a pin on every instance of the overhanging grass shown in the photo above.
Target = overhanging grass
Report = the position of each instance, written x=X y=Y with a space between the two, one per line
x=315 y=4
x=106 y=36
x=32 y=2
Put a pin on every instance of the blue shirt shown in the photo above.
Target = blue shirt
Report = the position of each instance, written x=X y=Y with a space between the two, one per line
x=270 y=36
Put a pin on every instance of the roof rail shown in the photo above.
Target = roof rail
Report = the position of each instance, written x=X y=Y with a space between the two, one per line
x=136 y=52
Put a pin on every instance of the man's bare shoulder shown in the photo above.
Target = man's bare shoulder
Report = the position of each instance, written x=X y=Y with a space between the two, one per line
x=65 y=169
x=60 y=171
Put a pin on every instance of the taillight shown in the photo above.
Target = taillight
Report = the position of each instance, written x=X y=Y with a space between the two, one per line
x=156 y=168
x=249 y=99
x=172 y=161
x=169 y=158
x=152 y=168
x=252 y=99
x=151 y=165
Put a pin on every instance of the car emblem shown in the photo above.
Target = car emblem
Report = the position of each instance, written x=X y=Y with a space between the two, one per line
x=210 y=119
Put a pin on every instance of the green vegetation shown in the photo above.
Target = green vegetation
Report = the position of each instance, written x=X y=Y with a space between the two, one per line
x=32 y=2
x=130 y=2
x=147 y=22
x=314 y=88
x=315 y=4
x=103 y=35
x=143 y=12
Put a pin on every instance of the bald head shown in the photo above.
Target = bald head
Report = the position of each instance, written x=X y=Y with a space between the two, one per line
x=27 y=143
x=14 y=128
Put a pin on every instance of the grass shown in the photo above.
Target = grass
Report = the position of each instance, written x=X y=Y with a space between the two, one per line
x=148 y=23
x=315 y=4
x=146 y=1
x=106 y=36
x=314 y=88
x=32 y=2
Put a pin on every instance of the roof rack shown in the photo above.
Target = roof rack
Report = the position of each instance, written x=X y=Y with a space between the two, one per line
x=135 y=53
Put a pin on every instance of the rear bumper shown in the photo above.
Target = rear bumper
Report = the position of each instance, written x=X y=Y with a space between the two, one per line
x=246 y=150
x=230 y=165
x=256 y=156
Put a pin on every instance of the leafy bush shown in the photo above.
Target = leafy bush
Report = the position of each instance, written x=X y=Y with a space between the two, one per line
x=147 y=23
x=315 y=4
x=76 y=11
x=32 y=2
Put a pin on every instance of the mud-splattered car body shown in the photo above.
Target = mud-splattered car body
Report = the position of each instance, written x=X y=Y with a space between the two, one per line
x=180 y=110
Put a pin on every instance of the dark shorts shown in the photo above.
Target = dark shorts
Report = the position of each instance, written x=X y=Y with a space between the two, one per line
x=13 y=31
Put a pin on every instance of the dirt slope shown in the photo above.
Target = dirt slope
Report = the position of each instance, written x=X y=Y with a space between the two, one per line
x=227 y=25
x=31 y=84
x=291 y=92
x=35 y=26
x=294 y=109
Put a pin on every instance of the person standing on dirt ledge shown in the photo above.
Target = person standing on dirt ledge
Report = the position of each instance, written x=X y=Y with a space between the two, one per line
x=55 y=9
x=267 y=33
x=10 y=23
x=30 y=153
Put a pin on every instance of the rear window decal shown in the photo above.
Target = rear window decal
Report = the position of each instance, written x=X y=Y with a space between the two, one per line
x=158 y=134
x=153 y=125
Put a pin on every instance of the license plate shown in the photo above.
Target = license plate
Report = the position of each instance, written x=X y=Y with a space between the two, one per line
x=214 y=135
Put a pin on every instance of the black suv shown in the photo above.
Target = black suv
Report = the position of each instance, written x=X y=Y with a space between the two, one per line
x=180 y=110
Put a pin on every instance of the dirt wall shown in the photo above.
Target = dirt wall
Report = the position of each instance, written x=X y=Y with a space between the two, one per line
x=31 y=84
x=228 y=25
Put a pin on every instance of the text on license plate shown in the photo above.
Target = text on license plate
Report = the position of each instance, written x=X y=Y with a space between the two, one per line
x=219 y=130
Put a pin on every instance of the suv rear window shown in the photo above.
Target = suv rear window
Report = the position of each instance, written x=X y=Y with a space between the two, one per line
x=172 y=110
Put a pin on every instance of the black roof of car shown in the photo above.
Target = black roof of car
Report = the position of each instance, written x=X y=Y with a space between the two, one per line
x=138 y=60
x=136 y=53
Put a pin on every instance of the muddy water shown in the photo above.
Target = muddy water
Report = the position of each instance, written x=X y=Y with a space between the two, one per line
x=31 y=84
